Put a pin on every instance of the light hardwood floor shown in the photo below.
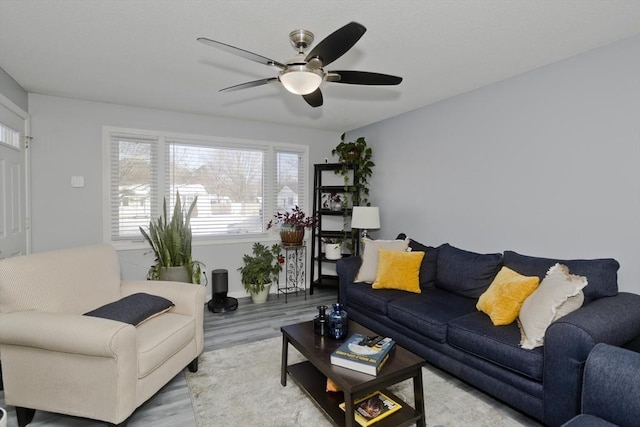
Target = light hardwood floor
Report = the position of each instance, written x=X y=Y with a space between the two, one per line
x=171 y=406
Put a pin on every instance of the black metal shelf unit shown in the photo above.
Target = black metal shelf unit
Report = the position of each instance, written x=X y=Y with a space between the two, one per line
x=322 y=273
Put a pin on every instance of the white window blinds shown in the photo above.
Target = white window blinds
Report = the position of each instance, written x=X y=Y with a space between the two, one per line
x=238 y=185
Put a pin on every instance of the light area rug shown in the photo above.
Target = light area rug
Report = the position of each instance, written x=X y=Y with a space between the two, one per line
x=240 y=386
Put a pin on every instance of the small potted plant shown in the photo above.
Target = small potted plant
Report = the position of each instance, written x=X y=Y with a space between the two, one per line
x=332 y=247
x=260 y=270
x=292 y=224
x=170 y=241
x=336 y=201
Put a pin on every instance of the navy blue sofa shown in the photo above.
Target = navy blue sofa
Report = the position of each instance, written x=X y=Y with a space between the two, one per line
x=610 y=389
x=443 y=326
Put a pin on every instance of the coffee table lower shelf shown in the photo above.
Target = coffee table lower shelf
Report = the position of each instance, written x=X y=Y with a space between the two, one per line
x=313 y=383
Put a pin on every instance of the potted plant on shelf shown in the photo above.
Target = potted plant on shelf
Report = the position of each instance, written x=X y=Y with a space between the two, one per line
x=260 y=270
x=170 y=241
x=292 y=224
x=336 y=201
x=332 y=247
x=357 y=155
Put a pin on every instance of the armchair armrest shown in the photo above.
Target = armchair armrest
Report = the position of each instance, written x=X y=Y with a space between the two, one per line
x=347 y=269
x=612 y=385
x=67 y=333
x=568 y=342
x=187 y=297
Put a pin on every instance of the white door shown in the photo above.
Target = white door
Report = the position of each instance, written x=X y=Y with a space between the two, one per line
x=13 y=177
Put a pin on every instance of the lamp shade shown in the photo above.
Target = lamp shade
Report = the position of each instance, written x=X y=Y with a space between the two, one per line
x=365 y=217
x=300 y=80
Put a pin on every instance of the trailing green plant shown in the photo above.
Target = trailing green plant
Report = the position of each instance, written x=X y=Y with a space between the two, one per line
x=170 y=240
x=333 y=240
x=357 y=155
x=262 y=267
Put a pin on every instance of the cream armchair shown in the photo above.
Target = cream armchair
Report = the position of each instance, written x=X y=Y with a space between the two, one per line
x=56 y=359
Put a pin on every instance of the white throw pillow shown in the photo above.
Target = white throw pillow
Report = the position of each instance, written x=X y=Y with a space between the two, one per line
x=369 y=267
x=559 y=294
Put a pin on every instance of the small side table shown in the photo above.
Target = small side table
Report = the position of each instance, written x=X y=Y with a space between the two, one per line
x=295 y=271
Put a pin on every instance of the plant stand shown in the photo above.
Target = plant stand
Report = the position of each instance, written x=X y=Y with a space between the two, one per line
x=295 y=271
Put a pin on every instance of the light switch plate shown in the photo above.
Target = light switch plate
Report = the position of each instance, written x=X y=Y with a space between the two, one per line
x=77 y=181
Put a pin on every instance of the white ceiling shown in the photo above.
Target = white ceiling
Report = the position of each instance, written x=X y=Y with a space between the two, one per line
x=144 y=52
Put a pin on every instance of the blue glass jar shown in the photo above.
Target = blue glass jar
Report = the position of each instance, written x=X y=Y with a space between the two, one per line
x=338 y=322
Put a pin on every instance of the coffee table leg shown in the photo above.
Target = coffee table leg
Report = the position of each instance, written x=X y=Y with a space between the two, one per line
x=418 y=394
x=348 y=410
x=283 y=367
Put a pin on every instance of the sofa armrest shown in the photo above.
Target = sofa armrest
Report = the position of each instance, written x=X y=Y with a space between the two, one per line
x=347 y=269
x=67 y=333
x=568 y=342
x=612 y=385
x=188 y=298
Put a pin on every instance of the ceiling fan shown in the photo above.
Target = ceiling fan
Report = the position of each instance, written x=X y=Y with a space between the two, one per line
x=304 y=73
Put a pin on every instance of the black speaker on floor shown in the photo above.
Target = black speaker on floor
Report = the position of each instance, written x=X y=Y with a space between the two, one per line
x=220 y=302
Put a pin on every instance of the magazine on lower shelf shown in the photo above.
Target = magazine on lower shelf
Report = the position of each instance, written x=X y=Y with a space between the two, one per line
x=373 y=407
x=355 y=354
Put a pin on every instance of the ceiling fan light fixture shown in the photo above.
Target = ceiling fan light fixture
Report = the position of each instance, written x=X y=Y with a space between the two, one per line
x=300 y=80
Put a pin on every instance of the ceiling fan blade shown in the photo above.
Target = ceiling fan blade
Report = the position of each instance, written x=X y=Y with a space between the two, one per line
x=241 y=52
x=337 y=43
x=314 y=98
x=249 y=84
x=365 y=78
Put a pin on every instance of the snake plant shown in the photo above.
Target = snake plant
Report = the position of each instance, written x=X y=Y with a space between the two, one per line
x=170 y=240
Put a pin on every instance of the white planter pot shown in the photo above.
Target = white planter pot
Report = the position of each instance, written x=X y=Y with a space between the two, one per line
x=175 y=274
x=3 y=418
x=333 y=250
x=261 y=296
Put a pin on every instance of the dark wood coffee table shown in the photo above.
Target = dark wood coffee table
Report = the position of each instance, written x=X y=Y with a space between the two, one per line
x=311 y=375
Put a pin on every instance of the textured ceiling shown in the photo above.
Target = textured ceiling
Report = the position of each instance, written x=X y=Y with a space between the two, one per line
x=144 y=52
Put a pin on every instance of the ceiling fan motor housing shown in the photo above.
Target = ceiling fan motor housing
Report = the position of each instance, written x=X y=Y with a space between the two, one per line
x=300 y=39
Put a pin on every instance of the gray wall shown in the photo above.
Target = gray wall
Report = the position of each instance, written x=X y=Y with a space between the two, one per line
x=67 y=141
x=12 y=90
x=546 y=164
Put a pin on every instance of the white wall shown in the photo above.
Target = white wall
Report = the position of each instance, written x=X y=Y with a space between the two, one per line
x=546 y=164
x=67 y=141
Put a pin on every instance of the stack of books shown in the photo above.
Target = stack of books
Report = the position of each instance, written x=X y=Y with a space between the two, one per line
x=363 y=354
x=374 y=407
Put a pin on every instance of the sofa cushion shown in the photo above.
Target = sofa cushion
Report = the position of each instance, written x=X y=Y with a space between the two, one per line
x=544 y=306
x=374 y=300
x=429 y=262
x=369 y=266
x=476 y=335
x=162 y=337
x=429 y=312
x=504 y=297
x=602 y=274
x=466 y=273
x=398 y=270
x=133 y=309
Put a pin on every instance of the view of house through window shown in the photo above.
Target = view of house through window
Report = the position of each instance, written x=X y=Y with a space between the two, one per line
x=238 y=186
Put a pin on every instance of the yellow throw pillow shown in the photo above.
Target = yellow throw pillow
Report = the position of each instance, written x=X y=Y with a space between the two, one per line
x=504 y=297
x=398 y=270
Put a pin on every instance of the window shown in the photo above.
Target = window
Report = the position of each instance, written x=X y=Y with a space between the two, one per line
x=9 y=136
x=239 y=185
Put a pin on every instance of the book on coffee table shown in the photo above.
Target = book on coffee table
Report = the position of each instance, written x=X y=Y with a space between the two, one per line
x=373 y=407
x=355 y=354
